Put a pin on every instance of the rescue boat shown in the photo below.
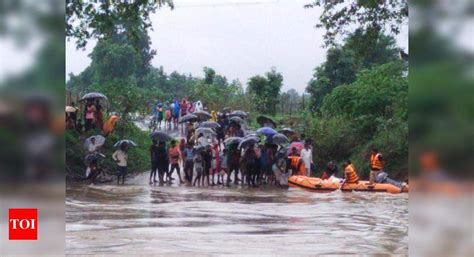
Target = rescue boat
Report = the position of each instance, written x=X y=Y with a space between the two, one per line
x=318 y=185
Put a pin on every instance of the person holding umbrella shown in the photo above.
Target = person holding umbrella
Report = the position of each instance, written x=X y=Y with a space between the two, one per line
x=163 y=162
x=249 y=161
x=154 y=161
x=120 y=156
x=188 y=155
x=98 y=115
x=89 y=116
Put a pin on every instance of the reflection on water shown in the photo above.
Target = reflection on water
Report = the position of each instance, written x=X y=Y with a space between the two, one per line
x=141 y=219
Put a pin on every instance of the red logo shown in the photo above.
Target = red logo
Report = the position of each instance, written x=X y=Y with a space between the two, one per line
x=23 y=224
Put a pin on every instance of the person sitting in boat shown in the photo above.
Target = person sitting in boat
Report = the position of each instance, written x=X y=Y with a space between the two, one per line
x=296 y=165
x=377 y=163
x=383 y=178
x=350 y=173
x=330 y=172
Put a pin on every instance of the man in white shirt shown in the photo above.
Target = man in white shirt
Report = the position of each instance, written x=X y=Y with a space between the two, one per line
x=92 y=146
x=121 y=157
x=307 y=157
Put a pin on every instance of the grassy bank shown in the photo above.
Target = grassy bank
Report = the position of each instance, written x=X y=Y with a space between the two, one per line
x=138 y=156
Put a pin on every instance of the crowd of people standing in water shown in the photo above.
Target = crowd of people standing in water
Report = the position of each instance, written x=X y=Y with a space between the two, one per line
x=218 y=149
x=201 y=159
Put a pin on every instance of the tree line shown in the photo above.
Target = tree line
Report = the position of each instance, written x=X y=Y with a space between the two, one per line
x=356 y=99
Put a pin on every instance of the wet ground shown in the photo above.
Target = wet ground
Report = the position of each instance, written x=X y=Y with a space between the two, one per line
x=171 y=220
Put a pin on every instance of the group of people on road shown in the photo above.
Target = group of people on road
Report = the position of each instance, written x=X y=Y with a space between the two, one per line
x=93 y=116
x=168 y=112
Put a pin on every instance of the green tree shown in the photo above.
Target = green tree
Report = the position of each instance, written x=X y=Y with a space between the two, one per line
x=361 y=51
x=264 y=91
x=104 y=19
x=340 y=17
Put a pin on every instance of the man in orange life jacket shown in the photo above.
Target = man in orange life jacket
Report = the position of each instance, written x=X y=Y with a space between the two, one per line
x=350 y=173
x=296 y=164
x=376 y=164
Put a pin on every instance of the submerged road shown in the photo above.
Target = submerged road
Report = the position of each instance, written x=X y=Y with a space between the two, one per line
x=180 y=220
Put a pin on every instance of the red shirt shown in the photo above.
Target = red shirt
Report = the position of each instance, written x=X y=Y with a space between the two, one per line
x=173 y=155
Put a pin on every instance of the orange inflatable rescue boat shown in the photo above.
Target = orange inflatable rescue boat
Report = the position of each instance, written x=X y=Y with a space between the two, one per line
x=319 y=185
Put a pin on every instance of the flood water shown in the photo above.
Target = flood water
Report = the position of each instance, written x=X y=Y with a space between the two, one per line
x=179 y=220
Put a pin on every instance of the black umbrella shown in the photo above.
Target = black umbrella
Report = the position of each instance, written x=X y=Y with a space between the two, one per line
x=209 y=124
x=92 y=96
x=233 y=140
x=237 y=120
x=125 y=141
x=265 y=121
x=205 y=131
x=278 y=139
x=160 y=136
x=96 y=156
x=238 y=113
x=188 y=118
x=287 y=132
x=246 y=142
x=202 y=115
x=226 y=110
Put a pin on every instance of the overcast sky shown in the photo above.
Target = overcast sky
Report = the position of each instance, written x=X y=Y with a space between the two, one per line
x=237 y=40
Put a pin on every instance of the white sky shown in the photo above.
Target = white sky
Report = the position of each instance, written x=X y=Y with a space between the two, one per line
x=237 y=40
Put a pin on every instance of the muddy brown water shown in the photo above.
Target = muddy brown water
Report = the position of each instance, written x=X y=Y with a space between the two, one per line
x=180 y=220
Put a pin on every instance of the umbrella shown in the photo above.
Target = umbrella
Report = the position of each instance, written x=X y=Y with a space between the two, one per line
x=251 y=135
x=71 y=109
x=209 y=124
x=205 y=131
x=278 y=139
x=160 y=136
x=125 y=141
x=238 y=113
x=287 y=131
x=267 y=131
x=88 y=159
x=188 y=118
x=265 y=121
x=199 y=149
x=233 y=140
x=248 y=142
x=202 y=115
x=237 y=120
x=225 y=110
x=298 y=145
x=99 y=140
x=92 y=96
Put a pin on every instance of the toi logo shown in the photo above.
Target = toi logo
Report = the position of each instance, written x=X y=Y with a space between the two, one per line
x=23 y=224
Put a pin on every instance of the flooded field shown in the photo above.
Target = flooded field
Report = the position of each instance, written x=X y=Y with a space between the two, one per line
x=171 y=220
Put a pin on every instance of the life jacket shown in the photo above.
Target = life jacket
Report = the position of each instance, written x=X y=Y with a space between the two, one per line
x=297 y=165
x=375 y=163
x=351 y=174
x=294 y=161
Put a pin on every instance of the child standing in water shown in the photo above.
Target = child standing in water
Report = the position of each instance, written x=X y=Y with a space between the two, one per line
x=216 y=164
x=121 y=157
x=198 y=167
